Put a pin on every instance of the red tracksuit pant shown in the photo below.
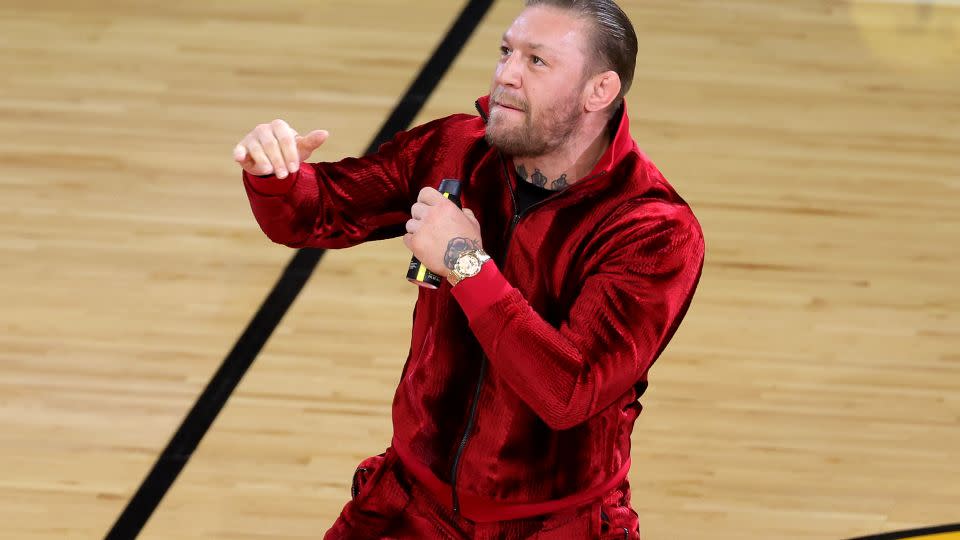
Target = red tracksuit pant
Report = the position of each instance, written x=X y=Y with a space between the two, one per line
x=387 y=503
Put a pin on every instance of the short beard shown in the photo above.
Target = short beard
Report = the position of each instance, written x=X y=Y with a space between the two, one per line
x=527 y=140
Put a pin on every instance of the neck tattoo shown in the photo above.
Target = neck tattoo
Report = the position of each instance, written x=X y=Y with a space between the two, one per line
x=539 y=179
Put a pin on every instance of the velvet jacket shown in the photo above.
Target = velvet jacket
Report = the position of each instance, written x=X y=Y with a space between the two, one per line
x=521 y=387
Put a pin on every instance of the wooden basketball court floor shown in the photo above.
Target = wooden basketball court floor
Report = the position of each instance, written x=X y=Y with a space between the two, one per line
x=812 y=391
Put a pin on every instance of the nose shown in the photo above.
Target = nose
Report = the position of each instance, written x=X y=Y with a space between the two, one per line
x=508 y=72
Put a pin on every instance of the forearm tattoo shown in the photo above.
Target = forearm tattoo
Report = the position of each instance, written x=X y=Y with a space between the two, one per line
x=540 y=179
x=457 y=246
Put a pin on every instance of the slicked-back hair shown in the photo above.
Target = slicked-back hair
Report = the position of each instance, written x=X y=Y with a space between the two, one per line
x=613 y=40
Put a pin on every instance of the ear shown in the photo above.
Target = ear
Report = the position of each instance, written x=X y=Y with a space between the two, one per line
x=602 y=89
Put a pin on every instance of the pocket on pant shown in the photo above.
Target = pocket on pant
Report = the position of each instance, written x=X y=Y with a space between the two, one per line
x=618 y=521
x=379 y=495
x=364 y=472
x=609 y=531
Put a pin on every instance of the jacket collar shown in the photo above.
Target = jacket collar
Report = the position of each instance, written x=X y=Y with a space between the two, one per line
x=621 y=145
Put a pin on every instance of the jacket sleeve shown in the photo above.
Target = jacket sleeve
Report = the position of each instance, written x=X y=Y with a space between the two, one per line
x=628 y=308
x=341 y=204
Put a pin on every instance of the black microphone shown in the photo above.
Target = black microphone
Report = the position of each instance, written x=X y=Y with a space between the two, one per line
x=417 y=273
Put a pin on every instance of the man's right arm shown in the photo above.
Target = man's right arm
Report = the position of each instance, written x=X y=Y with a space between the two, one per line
x=326 y=205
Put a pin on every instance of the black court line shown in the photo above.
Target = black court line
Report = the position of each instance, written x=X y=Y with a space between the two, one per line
x=178 y=451
x=913 y=533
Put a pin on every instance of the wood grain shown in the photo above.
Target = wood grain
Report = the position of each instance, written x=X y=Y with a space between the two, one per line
x=810 y=393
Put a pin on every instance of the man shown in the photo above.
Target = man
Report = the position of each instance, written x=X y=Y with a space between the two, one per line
x=567 y=272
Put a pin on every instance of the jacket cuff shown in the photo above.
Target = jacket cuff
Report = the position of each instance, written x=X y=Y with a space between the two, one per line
x=476 y=294
x=271 y=185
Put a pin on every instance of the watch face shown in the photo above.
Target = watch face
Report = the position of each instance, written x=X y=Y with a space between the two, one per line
x=467 y=265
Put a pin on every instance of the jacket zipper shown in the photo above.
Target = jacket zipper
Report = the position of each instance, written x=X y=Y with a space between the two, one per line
x=466 y=434
x=483 y=362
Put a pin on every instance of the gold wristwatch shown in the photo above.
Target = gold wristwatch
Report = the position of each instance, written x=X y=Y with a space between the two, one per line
x=468 y=264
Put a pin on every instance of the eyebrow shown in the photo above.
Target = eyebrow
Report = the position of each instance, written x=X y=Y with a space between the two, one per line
x=533 y=46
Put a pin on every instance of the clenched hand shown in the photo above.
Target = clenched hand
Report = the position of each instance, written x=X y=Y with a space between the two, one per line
x=438 y=232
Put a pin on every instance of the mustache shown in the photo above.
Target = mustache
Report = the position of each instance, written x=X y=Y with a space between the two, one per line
x=501 y=97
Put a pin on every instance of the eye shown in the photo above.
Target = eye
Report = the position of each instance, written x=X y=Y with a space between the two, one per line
x=504 y=51
x=537 y=61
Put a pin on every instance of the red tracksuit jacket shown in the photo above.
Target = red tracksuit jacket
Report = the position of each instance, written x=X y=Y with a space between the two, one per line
x=521 y=387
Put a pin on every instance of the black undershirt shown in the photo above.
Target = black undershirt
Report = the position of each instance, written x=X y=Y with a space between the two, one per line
x=529 y=194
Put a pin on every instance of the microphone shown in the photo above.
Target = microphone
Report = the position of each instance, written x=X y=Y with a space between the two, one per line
x=417 y=273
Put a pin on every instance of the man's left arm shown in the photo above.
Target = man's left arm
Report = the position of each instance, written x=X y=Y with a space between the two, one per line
x=627 y=310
